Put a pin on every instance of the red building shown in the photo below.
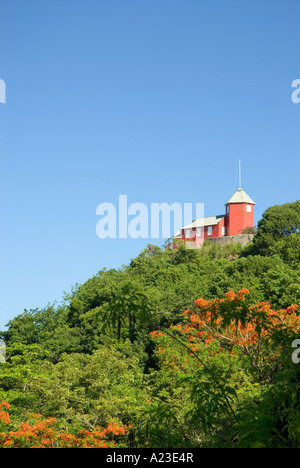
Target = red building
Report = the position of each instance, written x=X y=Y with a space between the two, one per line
x=239 y=216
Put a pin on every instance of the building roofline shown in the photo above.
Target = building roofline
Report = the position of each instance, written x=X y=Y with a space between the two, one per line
x=202 y=222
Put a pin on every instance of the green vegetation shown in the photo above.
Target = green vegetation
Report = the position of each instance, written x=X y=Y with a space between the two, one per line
x=91 y=361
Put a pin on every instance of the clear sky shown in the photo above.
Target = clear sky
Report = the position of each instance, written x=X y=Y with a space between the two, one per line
x=156 y=99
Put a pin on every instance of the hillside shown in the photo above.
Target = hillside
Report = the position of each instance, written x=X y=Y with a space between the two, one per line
x=184 y=348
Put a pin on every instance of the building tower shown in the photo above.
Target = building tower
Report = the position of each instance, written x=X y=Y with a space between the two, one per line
x=239 y=213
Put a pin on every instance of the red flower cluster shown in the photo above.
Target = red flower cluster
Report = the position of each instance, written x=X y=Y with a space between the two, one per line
x=229 y=320
x=44 y=434
x=233 y=322
x=4 y=417
x=156 y=334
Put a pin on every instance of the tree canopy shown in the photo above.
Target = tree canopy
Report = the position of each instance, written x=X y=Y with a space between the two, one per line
x=183 y=348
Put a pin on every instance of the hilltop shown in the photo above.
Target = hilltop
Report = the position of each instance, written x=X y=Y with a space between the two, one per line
x=93 y=361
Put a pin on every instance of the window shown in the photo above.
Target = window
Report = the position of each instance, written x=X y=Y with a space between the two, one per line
x=209 y=230
x=199 y=232
x=249 y=208
x=223 y=231
x=227 y=209
x=187 y=233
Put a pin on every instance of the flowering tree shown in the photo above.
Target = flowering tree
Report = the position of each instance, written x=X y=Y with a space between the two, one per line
x=226 y=354
x=38 y=432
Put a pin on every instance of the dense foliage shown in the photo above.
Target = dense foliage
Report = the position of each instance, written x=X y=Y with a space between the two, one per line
x=181 y=348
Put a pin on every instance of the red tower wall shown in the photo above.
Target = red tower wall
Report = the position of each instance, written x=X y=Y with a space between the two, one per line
x=239 y=218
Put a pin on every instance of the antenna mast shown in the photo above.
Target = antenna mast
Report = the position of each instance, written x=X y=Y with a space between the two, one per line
x=240 y=174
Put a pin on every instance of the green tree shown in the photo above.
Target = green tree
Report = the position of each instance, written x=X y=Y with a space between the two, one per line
x=277 y=222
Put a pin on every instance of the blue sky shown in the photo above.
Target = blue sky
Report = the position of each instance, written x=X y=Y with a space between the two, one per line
x=154 y=99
